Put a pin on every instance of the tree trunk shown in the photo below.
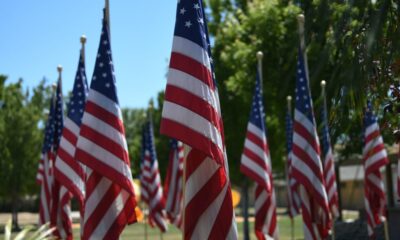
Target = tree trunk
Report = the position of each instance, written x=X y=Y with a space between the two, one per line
x=14 y=210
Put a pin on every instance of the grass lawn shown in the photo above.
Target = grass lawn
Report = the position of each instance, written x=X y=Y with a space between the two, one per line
x=136 y=231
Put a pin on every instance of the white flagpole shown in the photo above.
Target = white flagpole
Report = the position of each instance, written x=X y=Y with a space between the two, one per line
x=260 y=57
x=289 y=107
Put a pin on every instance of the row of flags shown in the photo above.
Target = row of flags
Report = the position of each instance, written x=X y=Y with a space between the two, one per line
x=85 y=155
x=310 y=172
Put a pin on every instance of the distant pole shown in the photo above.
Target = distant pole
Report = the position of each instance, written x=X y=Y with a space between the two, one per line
x=144 y=220
x=59 y=69
x=386 y=226
x=260 y=57
x=289 y=108
x=186 y=150
x=245 y=209
x=300 y=20
x=83 y=41
x=323 y=94
x=107 y=6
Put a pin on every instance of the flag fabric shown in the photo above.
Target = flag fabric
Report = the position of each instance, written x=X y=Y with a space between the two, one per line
x=60 y=217
x=173 y=191
x=292 y=194
x=374 y=157
x=191 y=114
x=151 y=180
x=256 y=164
x=329 y=164
x=109 y=199
x=69 y=172
x=306 y=163
x=44 y=176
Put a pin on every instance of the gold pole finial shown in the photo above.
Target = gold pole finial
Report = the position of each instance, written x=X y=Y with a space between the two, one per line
x=83 y=39
x=323 y=86
x=59 y=69
x=301 y=20
x=83 y=42
x=289 y=104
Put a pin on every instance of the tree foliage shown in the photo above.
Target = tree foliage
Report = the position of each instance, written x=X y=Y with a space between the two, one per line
x=352 y=44
x=21 y=121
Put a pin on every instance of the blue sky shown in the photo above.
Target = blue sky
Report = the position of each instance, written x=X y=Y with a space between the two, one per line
x=36 y=36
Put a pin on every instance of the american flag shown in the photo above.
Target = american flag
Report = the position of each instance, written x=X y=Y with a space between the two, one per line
x=151 y=181
x=329 y=164
x=191 y=114
x=110 y=200
x=59 y=217
x=306 y=163
x=173 y=183
x=44 y=175
x=68 y=171
x=292 y=194
x=374 y=157
x=256 y=164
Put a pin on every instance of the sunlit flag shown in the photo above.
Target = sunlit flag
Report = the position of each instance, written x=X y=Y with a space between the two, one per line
x=191 y=114
x=173 y=191
x=306 y=162
x=110 y=200
x=151 y=180
x=256 y=164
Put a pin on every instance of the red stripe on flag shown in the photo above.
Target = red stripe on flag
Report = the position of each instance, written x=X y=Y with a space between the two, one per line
x=105 y=170
x=194 y=139
x=105 y=116
x=192 y=67
x=194 y=103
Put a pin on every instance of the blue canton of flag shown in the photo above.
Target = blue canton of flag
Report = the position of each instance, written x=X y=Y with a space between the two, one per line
x=192 y=25
x=103 y=79
x=326 y=142
x=58 y=123
x=369 y=116
x=49 y=129
x=149 y=142
x=257 y=115
x=303 y=95
x=77 y=101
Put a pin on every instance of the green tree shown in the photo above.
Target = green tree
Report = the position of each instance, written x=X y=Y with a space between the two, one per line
x=21 y=117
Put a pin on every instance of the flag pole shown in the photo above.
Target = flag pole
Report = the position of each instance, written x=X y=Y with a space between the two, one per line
x=301 y=20
x=260 y=56
x=386 y=226
x=144 y=220
x=107 y=7
x=59 y=70
x=289 y=107
x=186 y=150
x=83 y=41
x=323 y=94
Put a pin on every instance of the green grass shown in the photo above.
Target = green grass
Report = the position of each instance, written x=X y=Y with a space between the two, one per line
x=136 y=231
